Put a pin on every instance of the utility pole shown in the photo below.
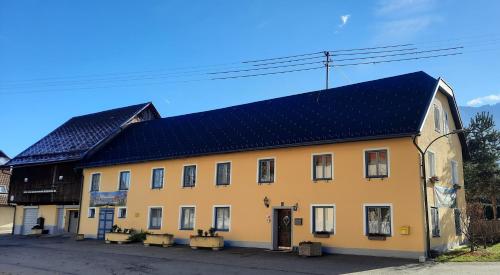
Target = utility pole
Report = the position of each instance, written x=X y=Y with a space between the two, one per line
x=327 y=66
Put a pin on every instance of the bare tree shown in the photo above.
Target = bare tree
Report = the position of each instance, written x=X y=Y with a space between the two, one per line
x=473 y=225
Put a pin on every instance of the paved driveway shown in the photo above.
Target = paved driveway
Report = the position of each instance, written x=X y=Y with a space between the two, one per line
x=59 y=255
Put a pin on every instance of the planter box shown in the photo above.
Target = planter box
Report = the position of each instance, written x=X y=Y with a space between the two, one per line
x=216 y=242
x=80 y=237
x=117 y=237
x=310 y=249
x=322 y=234
x=164 y=240
x=36 y=231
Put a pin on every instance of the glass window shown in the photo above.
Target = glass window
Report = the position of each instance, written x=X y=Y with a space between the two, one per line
x=189 y=176
x=458 y=225
x=157 y=178
x=187 y=218
x=223 y=173
x=323 y=219
x=222 y=218
x=124 y=180
x=454 y=172
x=437 y=119
x=155 y=215
x=432 y=163
x=122 y=212
x=376 y=164
x=435 y=221
x=3 y=189
x=446 y=125
x=91 y=213
x=95 y=182
x=378 y=220
x=322 y=167
x=266 y=170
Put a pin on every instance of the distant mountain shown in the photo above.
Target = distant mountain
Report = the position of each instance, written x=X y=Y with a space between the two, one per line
x=469 y=112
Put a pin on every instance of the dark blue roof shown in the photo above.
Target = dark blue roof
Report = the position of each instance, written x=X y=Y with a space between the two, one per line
x=74 y=138
x=383 y=108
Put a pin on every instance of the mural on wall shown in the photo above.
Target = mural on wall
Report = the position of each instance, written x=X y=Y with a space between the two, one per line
x=117 y=198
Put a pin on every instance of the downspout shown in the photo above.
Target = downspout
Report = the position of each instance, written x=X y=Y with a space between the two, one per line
x=80 y=204
x=426 y=204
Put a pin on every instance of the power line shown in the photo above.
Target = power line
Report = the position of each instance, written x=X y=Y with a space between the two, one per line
x=394 y=60
x=398 y=54
x=271 y=73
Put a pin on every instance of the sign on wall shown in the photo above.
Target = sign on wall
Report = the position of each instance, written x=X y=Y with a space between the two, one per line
x=117 y=198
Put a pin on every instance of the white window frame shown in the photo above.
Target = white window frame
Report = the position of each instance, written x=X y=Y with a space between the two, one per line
x=334 y=216
x=100 y=179
x=388 y=162
x=365 y=233
x=275 y=169
x=312 y=165
x=195 y=175
x=454 y=172
x=88 y=212
x=230 y=173
x=230 y=217
x=6 y=190
x=432 y=167
x=438 y=120
x=180 y=217
x=152 y=178
x=118 y=212
x=130 y=180
x=149 y=217
x=446 y=125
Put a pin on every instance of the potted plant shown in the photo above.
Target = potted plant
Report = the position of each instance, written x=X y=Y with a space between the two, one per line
x=117 y=235
x=36 y=230
x=164 y=240
x=310 y=249
x=434 y=179
x=207 y=239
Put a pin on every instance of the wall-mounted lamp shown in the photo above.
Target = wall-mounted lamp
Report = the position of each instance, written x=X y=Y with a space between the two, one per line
x=266 y=201
x=25 y=179
x=295 y=206
x=61 y=177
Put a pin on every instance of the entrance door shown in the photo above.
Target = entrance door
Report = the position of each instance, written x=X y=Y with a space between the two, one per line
x=284 y=223
x=29 y=219
x=73 y=221
x=106 y=216
x=60 y=220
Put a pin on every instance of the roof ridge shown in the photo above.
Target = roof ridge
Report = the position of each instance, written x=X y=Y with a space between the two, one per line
x=112 y=110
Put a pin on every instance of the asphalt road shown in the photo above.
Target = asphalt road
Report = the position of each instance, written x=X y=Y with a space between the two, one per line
x=63 y=255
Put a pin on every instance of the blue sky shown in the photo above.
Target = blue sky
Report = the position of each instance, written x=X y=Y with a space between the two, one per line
x=59 y=59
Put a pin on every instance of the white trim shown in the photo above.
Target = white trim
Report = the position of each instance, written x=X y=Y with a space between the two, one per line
x=129 y=180
x=311 y=218
x=312 y=165
x=30 y=206
x=230 y=173
x=378 y=204
x=258 y=168
x=118 y=212
x=100 y=177
x=149 y=214
x=388 y=161
x=195 y=175
x=447 y=89
x=88 y=213
x=180 y=217
x=152 y=175
x=230 y=216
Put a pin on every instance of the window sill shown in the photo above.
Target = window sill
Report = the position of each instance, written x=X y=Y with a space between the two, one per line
x=324 y=180
x=322 y=234
x=377 y=178
x=156 y=188
x=186 y=229
x=188 y=187
x=222 y=185
x=378 y=237
x=265 y=182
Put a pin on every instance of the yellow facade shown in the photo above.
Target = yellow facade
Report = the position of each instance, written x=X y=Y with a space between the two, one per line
x=251 y=222
x=49 y=213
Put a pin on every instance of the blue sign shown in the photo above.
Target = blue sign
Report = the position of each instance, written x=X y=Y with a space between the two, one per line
x=117 y=198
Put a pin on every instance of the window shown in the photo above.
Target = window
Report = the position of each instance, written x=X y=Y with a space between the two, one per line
x=122 y=212
x=155 y=216
x=323 y=219
x=376 y=164
x=124 y=180
x=432 y=163
x=157 y=178
x=446 y=125
x=189 y=176
x=435 y=221
x=454 y=172
x=3 y=189
x=378 y=220
x=458 y=225
x=223 y=173
x=222 y=218
x=91 y=213
x=95 y=182
x=322 y=167
x=187 y=218
x=437 y=119
x=266 y=170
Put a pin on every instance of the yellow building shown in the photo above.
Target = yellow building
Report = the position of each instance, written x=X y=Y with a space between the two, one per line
x=337 y=166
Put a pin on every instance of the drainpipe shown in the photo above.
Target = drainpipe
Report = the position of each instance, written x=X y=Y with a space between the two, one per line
x=80 y=204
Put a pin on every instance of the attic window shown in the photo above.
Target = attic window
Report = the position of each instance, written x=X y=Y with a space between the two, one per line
x=437 y=119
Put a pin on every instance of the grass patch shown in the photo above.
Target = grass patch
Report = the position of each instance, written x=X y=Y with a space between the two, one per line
x=490 y=254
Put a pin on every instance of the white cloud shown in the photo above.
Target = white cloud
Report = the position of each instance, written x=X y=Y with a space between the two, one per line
x=484 y=100
x=344 y=19
x=404 y=6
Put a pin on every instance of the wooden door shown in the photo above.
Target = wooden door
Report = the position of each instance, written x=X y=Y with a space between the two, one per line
x=106 y=216
x=284 y=223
